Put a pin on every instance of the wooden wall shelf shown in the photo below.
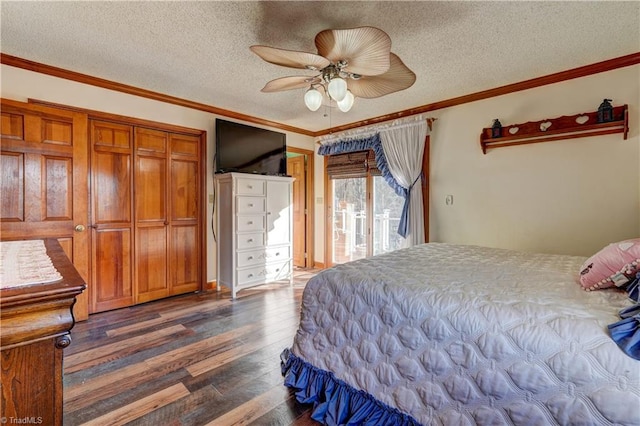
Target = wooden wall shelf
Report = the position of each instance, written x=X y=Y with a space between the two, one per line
x=565 y=127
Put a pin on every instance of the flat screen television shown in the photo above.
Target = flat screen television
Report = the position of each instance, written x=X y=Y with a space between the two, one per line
x=247 y=149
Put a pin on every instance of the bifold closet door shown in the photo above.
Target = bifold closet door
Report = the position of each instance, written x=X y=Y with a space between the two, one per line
x=186 y=270
x=147 y=220
x=151 y=218
x=112 y=216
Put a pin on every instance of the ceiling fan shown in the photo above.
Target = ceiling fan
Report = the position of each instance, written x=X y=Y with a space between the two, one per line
x=350 y=63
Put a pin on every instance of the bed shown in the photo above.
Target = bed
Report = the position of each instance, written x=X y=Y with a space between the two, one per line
x=445 y=334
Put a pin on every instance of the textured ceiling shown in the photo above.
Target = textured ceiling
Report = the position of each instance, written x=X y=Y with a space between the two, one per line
x=199 y=50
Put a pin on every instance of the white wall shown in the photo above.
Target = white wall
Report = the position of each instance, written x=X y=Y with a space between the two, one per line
x=571 y=196
x=20 y=85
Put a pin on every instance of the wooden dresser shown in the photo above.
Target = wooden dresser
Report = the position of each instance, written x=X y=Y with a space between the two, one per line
x=35 y=321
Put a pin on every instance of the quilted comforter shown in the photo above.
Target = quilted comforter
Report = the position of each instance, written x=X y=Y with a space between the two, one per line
x=463 y=335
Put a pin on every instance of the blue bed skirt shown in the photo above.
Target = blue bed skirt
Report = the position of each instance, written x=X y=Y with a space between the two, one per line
x=334 y=401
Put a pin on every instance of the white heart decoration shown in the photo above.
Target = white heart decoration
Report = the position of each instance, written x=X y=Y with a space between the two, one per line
x=582 y=119
x=544 y=126
x=625 y=246
x=514 y=130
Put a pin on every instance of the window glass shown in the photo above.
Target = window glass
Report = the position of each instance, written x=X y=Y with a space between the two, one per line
x=387 y=208
x=349 y=237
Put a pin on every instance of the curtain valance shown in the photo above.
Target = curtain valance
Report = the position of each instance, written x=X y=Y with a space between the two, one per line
x=402 y=140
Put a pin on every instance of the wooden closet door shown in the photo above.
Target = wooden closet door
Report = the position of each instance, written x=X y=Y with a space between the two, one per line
x=184 y=205
x=44 y=190
x=112 y=212
x=151 y=215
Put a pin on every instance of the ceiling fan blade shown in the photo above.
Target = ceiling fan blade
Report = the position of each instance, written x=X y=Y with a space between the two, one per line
x=290 y=83
x=399 y=77
x=366 y=49
x=290 y=58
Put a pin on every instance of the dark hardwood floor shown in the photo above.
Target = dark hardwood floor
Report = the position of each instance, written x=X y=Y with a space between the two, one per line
x=197 y=359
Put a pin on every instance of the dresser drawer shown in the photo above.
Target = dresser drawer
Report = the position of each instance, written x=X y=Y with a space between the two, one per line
x=251 y=187
x=251 y=240
x=278 y=271
x=250 y=223
x=247 y=205
x=250 y=275
x=273 y=254
x=251 y=257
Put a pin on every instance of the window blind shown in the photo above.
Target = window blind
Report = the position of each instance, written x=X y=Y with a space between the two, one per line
x=352 y=165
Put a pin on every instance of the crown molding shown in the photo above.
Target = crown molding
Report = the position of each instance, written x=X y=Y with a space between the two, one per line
x=598 y=67
x=26 y=64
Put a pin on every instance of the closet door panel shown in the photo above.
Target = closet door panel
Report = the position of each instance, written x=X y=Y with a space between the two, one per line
x=112 y=188
x=184 y=190
x=185 y=145
x=112 y=275
x=151 y=263
x=185 y=259
x=150 y=189
x=12 y=186
x=150 y=140
x=151 y=215
x=112 y=213
x=57 y=188
x=111 y=135
x=185 y=232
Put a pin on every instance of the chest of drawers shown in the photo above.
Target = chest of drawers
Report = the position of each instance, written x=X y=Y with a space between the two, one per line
x=254 y=230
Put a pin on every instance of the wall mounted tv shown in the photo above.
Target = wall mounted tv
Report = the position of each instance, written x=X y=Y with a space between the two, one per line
x=247 y=149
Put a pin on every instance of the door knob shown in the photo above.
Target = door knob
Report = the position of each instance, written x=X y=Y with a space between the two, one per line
x=79 y=228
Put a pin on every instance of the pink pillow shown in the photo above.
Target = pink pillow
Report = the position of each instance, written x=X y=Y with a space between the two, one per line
x=614 y=265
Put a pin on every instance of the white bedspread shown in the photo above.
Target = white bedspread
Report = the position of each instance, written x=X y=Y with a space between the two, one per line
x=463 y=335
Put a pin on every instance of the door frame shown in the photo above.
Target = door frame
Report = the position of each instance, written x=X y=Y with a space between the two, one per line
x=309 y=221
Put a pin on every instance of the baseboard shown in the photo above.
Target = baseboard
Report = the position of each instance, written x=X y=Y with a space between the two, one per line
x=210 y=285
x=318 y=265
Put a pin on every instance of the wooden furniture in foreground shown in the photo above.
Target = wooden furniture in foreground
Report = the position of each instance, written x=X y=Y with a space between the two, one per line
x=565 y=127
x=35 y=321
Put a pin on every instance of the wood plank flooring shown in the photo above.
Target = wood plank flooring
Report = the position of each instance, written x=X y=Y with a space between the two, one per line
x=197 y=359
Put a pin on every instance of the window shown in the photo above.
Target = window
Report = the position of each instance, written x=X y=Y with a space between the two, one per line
x=387 y=208
x=364 y=210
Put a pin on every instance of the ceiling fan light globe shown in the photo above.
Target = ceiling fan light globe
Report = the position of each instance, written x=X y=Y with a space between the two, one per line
x=313 y=99
x=337 y=89
x=346 y=104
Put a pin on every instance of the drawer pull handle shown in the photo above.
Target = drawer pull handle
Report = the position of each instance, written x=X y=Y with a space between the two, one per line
x=278 y=254
x=250 y=186
x=250 y=204
x=278 y=270
x=250 y=276
x=250 y=240
x=250 y=258
x=250 y=222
